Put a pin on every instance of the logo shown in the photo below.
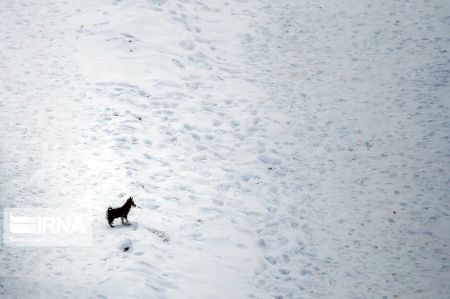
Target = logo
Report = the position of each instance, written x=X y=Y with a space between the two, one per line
x=46 y=227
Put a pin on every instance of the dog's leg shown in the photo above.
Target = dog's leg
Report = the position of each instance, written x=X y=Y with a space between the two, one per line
x=110 y=224
x=121 y=218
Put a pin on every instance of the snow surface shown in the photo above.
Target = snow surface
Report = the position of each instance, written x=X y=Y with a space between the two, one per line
x=278 y=149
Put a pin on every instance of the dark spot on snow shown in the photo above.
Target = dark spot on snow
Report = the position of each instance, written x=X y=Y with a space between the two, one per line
x=262 y=243
x=125 y=249
x=395 y=212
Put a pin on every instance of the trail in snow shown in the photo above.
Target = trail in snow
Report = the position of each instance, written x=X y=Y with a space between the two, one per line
x=295 y=149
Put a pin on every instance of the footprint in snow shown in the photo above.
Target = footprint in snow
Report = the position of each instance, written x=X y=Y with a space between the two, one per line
x=126 y=245
x=162 y=235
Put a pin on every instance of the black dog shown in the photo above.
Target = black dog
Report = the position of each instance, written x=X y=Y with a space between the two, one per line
x=121 y=212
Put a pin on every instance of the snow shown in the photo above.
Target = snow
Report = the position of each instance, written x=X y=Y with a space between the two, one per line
x=276 y=149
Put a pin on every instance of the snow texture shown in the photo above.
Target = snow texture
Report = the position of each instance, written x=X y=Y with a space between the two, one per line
x=277 y=149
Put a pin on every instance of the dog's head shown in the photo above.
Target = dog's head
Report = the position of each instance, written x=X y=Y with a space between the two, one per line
x=131 y=202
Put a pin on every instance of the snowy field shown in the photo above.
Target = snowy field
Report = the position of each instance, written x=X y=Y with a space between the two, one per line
x=277 y=149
